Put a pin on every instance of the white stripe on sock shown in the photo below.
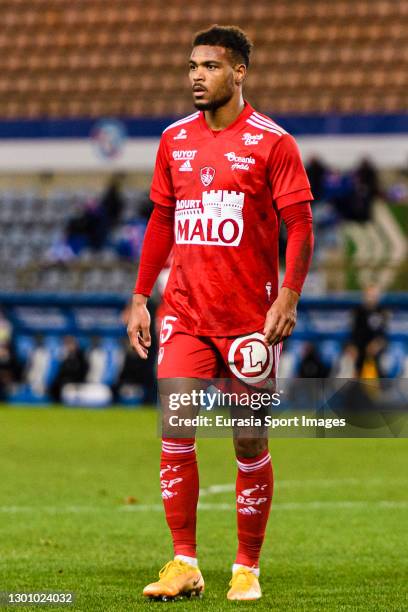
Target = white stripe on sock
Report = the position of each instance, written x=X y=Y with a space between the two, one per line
x=252 y=467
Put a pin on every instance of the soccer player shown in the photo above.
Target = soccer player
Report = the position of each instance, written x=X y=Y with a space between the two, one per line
x=224 y=178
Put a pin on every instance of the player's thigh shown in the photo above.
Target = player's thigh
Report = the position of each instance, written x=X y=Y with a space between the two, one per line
x=185 y=365
x=182 y=355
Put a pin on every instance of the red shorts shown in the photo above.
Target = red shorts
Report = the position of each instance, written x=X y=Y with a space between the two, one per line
x=246 y=357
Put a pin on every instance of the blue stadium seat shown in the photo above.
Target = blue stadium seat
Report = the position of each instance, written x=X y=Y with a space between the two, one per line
x=393 y=359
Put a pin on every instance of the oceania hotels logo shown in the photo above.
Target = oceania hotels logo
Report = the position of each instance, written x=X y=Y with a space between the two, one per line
x=238 y=162
x=215 y=220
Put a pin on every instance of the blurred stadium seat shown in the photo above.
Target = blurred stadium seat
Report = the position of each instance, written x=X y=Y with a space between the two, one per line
x=63 y=61
x=62 y=56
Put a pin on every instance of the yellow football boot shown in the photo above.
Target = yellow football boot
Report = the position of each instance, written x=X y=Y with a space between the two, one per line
x=244 y=585
x=176 y=578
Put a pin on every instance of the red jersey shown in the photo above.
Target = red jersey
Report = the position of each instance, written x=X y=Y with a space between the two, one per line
x=227 y=188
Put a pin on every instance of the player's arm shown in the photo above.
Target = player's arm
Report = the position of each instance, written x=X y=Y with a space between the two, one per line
x=281 y=317
x=291 y=196
x=157 y=244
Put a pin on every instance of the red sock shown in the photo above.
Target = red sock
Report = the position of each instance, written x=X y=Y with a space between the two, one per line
x=254 y=489
x=179 y=485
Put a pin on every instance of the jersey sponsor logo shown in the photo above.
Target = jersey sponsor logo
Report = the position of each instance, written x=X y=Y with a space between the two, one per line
x=189 y=205
x=186 y=167
x=238 y=162
x=181 y=155
x=182 y=135
x=215 y=220
x=250 y=359
x=251 y=139
x=207 y=175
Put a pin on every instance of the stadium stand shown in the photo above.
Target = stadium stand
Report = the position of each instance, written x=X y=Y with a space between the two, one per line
x=35 y=250
x=68 y=261
x=67 y=59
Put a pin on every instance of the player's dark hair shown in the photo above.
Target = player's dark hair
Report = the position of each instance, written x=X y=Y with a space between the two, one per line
x=230 y=37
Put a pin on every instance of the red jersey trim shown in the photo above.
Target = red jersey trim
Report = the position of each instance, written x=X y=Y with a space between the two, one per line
x=158 y=198
x=302 y=195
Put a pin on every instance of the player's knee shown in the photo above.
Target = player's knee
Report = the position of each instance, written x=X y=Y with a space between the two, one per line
x=250 y=447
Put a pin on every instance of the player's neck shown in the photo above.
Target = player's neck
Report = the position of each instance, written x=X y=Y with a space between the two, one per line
x=223 y=116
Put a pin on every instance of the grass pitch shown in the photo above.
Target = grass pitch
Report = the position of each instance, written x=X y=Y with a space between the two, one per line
x=337 y=537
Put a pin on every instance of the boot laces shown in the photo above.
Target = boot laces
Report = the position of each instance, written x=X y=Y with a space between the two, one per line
x=243 y=578
x=172 y=568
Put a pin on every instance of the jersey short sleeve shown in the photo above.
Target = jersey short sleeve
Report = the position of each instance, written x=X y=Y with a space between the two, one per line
x=287 y=175
x=161 y=191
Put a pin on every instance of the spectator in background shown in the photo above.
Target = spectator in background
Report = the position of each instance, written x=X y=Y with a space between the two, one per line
x=346 y=365
x=6 y=329
x=72 y=368
x=311 y=365
x=112 y=202
x=369 y=328
x=367 y=188
x=88 y=229
x=146 y=207
x=316 y=172
x=10 y=369
x=38 y=367
x=340 y=191
x=96 y=359
x=136 y=372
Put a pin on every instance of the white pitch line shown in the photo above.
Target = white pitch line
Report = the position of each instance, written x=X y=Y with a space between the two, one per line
x=304 y=506
x=321 y=482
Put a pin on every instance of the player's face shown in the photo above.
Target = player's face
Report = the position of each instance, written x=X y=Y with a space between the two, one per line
x=212 y=76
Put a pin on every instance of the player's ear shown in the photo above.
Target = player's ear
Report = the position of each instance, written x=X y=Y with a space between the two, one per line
x=240 y=73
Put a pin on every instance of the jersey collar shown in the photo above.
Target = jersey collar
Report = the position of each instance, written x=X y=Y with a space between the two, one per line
x=232 y=127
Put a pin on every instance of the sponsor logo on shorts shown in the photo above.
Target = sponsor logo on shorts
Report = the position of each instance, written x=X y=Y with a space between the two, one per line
x=250 y=359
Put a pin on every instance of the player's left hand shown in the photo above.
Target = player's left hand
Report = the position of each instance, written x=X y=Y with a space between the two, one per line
x=281 y=317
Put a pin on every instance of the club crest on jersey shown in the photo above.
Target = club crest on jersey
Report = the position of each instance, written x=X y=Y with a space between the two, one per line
x=207 y=175
x=251 y=139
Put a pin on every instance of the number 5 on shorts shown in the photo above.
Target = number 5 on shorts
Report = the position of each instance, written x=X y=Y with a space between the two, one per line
x=166 y=328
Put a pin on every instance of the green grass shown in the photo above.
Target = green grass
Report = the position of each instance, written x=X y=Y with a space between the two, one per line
x=332 y=542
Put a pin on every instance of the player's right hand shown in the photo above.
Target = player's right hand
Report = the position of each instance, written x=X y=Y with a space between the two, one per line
x=138 y=327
